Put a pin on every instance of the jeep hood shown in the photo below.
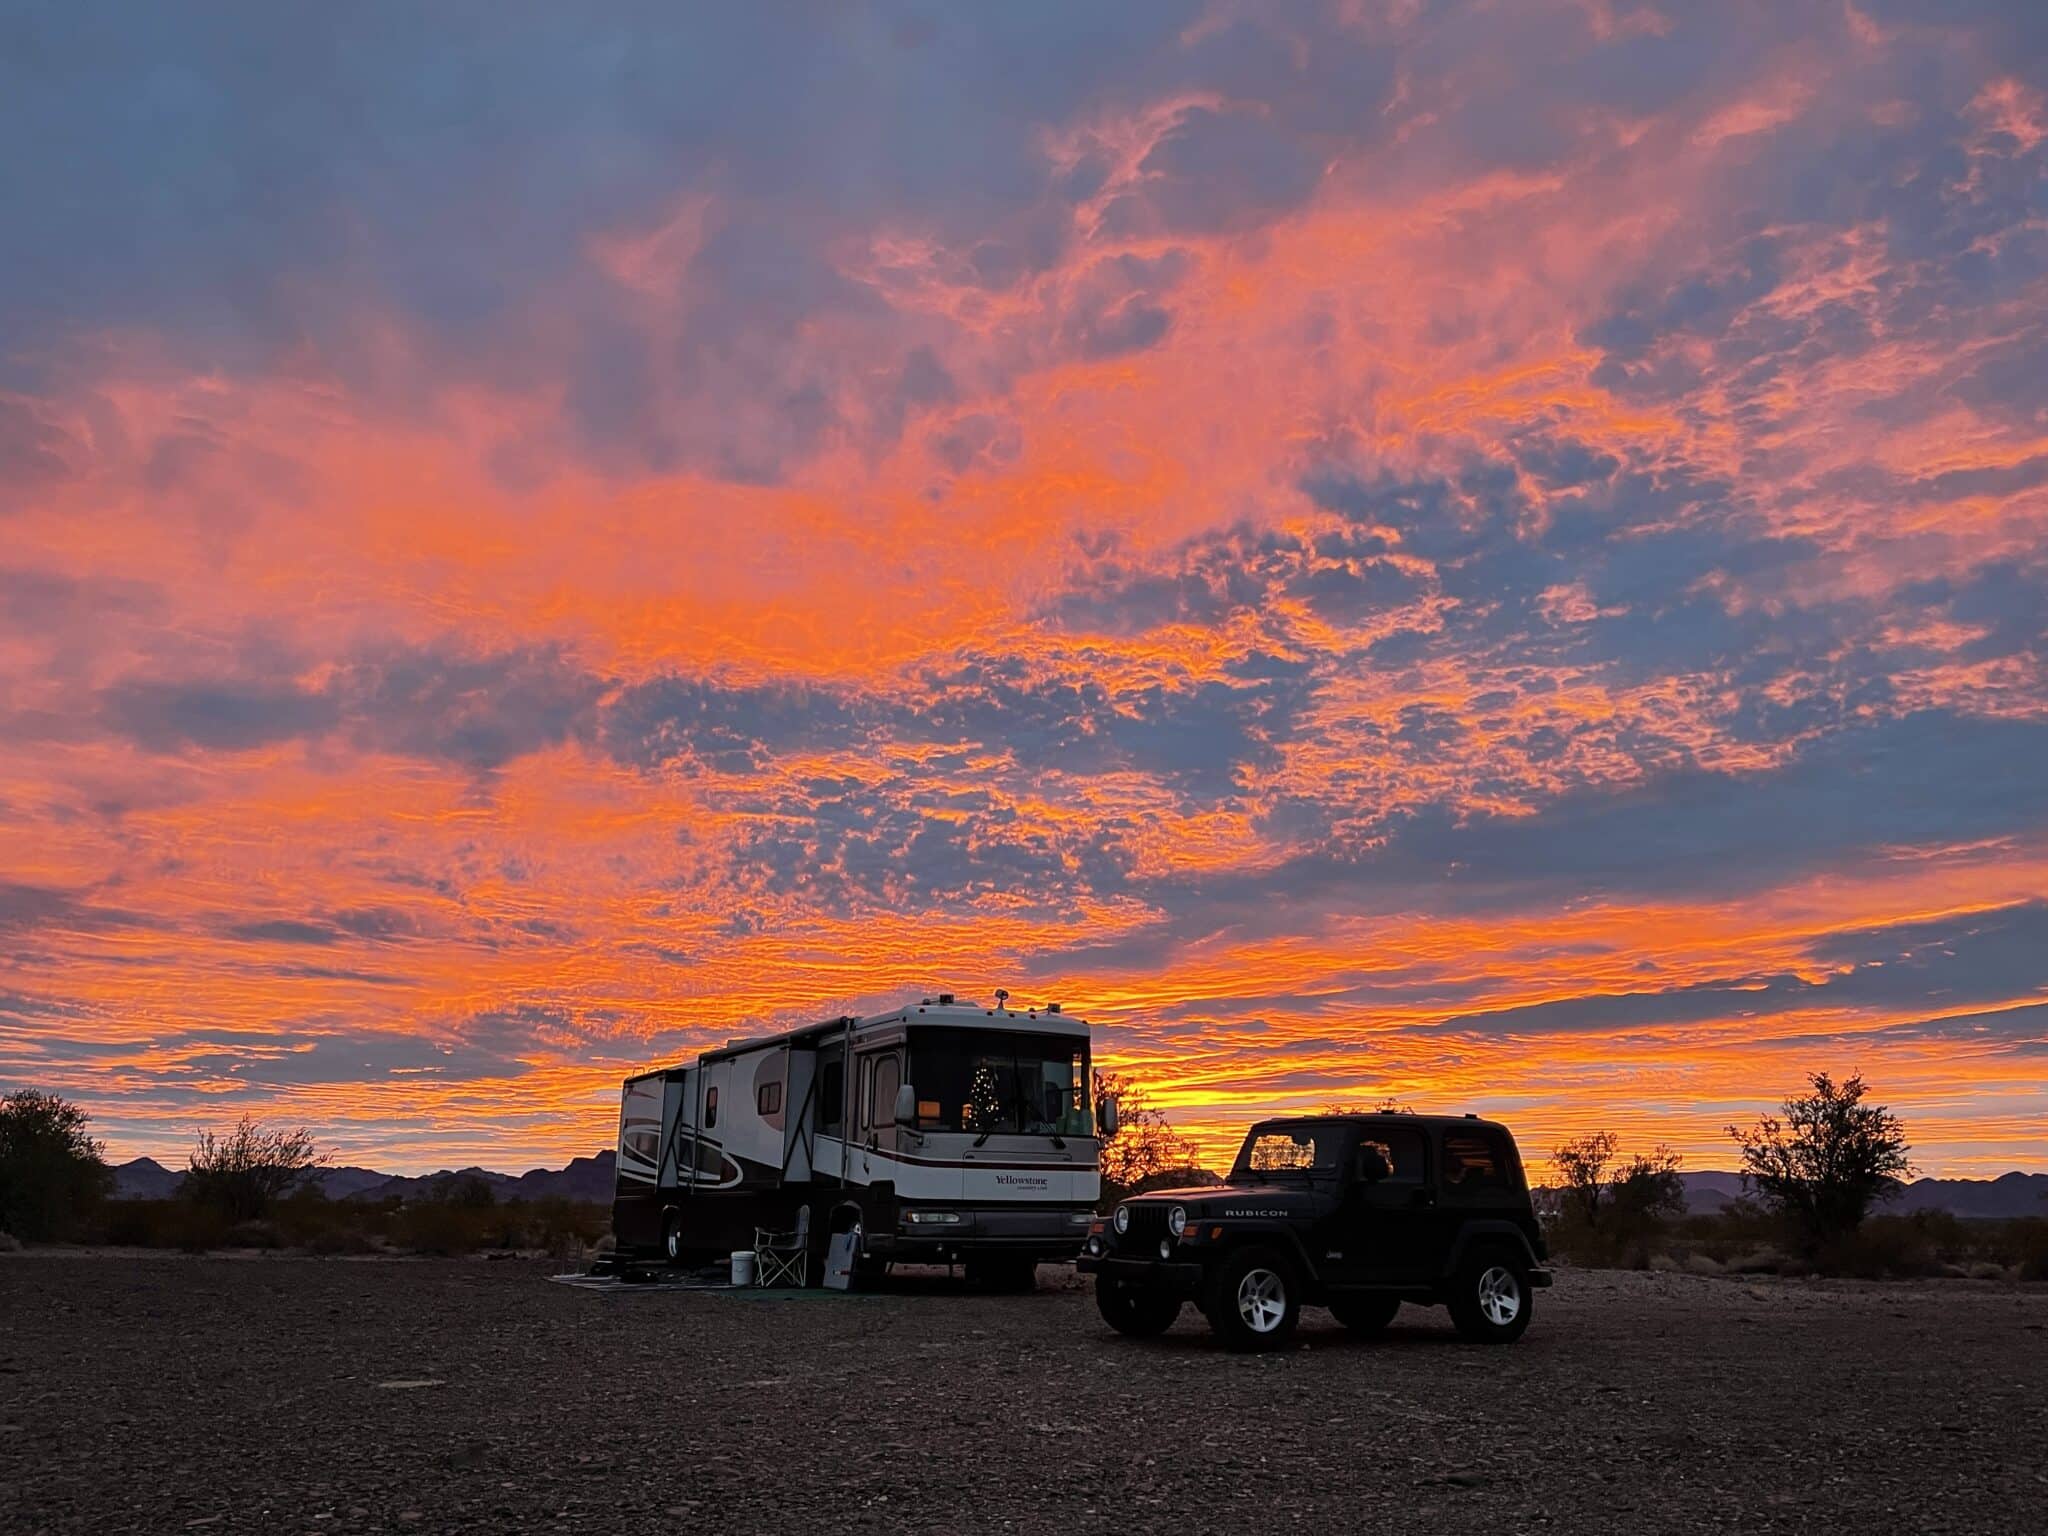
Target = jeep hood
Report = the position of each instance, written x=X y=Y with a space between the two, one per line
x=1209 y=1198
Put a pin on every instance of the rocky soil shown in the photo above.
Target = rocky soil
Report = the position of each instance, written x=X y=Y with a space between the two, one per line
x=275 y=1394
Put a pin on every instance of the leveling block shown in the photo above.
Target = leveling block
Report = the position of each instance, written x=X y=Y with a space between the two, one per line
x=715 y=1279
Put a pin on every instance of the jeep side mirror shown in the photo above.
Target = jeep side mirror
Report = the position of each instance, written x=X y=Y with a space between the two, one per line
x=1105 y=1117
x=906 y=1105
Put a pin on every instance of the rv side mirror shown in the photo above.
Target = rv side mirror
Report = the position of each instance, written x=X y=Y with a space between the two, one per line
x=906 y=1105
x=1105 y=1117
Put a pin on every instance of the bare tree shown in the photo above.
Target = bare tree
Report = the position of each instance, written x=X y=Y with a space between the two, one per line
x=245 y=1172
x=1581 y=1165
x=1828 y=1162
x=1145 y=1147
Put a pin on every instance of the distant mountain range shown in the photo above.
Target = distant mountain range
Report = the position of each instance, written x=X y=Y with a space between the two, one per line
x=2010 y=1194
x=590 y=1179
x=585 y=1178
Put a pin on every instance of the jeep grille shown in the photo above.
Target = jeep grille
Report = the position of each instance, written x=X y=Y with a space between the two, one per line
x=1148 y=1225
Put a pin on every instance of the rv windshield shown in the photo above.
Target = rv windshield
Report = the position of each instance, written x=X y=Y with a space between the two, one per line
x=999 y=1080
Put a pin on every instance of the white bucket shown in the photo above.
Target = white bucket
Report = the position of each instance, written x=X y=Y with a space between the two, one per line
x=743 y=1266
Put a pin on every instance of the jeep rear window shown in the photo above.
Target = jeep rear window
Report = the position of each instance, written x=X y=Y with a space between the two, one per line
x=1474 y=1162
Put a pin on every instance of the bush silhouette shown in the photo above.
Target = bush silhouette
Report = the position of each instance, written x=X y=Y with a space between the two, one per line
x=52 y=1174
x=1827 y=1163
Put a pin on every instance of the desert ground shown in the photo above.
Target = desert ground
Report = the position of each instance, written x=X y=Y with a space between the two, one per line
x=168 y=1393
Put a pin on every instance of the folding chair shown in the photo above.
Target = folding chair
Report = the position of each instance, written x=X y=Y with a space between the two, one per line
x=784 y=1258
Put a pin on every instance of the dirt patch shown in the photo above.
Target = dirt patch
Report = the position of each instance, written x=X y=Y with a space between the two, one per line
x=159 y=1393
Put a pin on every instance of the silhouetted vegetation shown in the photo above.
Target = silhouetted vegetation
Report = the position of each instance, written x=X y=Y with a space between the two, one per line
x=1146 y=1152
x=1598 y=1217
x=308 y=1221
x=52 y=1173
x=243 y=1174
x=1827 y=1163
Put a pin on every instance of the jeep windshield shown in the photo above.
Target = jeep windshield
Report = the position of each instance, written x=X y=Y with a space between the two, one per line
x=1000 y=1080
x=1275 y=1153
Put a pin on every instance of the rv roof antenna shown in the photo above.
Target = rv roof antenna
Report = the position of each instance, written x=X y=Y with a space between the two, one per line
x=945 y=999
x=1052 y=1007
x=1002 y=997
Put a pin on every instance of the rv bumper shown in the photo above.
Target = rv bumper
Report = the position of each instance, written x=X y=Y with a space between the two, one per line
x=1051 y=1234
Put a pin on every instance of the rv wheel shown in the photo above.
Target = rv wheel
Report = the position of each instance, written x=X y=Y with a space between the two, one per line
x=672 y=1237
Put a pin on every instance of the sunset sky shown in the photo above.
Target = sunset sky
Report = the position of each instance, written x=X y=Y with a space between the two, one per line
x=1491 y=553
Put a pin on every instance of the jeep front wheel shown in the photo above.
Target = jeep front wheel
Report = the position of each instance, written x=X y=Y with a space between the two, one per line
x=1136 y=1310
x=1491 y=1300
x=1254 y=1300
x=1366 y=1314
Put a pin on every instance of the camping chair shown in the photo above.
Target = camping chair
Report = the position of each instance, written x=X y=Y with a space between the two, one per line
x=784 y=1258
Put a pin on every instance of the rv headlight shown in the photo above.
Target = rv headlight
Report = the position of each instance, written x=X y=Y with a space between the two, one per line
x=931 y=1218
x=1177 y=1220
x=1122 y=1220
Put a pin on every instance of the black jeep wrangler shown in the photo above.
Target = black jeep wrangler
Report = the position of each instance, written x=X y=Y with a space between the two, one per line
x=1357 y=1213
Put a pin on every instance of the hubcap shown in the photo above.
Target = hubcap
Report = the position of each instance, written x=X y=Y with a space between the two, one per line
x=1261 y=1300
x=675 y=1243
x=1500 y=1296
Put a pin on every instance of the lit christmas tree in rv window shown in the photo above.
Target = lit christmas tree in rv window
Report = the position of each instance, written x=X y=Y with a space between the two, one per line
x=985 y=1107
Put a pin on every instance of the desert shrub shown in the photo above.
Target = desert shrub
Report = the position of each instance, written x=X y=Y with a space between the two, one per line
x=438 y=1228
x=9 y=1243
x=1145 y=1147
x=1610 y=1222
x=1827 y=1163
x=246 y=1172
x=253 y=1234
x=2030 y=1247
x=53 y=1175
x=339 y=1240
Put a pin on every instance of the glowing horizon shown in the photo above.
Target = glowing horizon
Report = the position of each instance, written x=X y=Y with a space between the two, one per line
x=1489 y=557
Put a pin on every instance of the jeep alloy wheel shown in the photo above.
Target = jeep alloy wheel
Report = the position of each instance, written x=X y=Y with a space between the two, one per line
x=1490 y=1299
x=1253 y=1301
x=1500 y=1296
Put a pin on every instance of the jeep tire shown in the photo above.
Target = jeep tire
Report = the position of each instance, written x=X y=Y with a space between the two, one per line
x=1491 y=1298
x=1253 y=1299
x=1367 y=1314
x=1139 y=1311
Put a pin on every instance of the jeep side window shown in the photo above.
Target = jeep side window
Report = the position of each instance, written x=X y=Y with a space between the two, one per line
x=1400 y=1151
x=1472 y=1164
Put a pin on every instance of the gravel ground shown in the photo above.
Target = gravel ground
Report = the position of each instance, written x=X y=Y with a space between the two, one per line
x=277 y=1394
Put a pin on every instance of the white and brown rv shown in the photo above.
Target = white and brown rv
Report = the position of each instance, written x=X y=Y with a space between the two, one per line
x=942 y=1131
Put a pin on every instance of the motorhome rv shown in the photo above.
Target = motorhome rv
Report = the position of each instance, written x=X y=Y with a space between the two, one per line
x=940 y=1131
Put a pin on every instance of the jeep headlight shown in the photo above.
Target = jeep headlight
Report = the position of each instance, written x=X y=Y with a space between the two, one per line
x=1177 y=1220
x=1122 y=1220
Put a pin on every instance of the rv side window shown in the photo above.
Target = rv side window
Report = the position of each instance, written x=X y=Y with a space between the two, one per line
x=768 y=1098
x=710 y=1108
x=831 y=1096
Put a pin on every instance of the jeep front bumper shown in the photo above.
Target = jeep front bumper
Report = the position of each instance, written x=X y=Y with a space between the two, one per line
x=1177 y=1277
